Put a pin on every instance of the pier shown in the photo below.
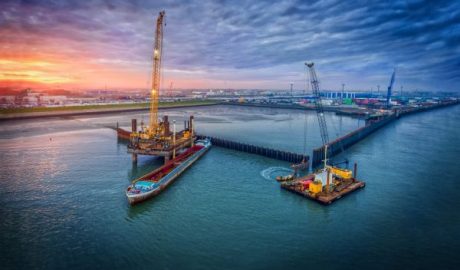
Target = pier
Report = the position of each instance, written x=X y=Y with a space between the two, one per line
x=238 y=146
x=258 y=150
x=165 y=146
x=373 y=123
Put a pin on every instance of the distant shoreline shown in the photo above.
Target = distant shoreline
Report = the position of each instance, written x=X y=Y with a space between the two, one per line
x=95 y=111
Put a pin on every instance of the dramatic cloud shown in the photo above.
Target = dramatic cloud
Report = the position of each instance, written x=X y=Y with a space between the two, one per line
x=233 y=44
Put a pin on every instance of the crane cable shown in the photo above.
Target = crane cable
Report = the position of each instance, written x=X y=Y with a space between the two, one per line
x=333 y=123
x=305 y=133
x=305 y=117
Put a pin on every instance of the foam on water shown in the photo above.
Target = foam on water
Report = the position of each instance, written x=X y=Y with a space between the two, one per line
x=272 y=172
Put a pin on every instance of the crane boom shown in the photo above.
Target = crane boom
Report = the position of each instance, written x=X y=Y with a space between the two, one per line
x=170 y=89
x=157 y=51
x=390 y=87
x=318 y=105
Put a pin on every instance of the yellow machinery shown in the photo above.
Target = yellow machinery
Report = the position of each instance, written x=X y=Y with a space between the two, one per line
x=157 y=51
x=155 y=130
x=315 y=187
x=156 y=138
x=342 y=173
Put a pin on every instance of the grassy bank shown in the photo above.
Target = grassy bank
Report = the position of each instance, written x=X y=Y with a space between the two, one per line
x=104 y=107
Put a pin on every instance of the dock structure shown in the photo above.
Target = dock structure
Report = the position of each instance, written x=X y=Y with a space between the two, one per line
x=165 y=151
x=344 y=142
x=243 y=147
x=373 y=123
x=166 y=146
x=258 y=150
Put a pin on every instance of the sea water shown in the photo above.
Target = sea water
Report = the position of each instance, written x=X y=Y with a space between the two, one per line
x=62 y=201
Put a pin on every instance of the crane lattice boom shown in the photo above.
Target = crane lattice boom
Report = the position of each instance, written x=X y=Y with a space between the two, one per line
x=318 y=104
x=390 y=87
x=157 y=50
x=170 y=89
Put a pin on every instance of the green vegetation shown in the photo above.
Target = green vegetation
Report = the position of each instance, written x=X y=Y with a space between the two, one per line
x=105 y=107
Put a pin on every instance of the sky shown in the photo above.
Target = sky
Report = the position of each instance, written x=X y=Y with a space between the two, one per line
x=231 y=44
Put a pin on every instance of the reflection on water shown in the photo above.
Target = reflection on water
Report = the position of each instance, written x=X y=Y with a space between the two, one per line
x=33 y=165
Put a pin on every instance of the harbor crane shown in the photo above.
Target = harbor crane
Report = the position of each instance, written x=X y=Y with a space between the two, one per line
x=329 y=170
x=170 y=89
x=390 y=87
x=156 y=130
x=154 y=94
x=318 y=104
x=156 y=139
x=320 y=112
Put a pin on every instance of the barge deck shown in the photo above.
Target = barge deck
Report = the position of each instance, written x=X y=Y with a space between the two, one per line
x=324 y=197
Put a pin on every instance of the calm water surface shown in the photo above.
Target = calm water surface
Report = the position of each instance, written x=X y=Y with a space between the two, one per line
x=62 y=202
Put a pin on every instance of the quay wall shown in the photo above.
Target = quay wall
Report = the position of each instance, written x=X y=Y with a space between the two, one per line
x=348 y=140
x=281 y=106
x=258 y=150
x=344 y=142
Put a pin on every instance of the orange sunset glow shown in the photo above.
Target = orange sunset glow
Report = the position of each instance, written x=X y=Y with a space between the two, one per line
x=65 y=71
x=38 y=53
x=96 y=44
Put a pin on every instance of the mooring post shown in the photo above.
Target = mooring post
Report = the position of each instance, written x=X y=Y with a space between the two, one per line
x=355 y=171
x=134 y=125
x=191 y=126
x=166 y=158
x=134 y=158
x=174 y=139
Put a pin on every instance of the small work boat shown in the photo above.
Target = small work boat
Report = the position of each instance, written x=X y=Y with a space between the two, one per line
x=285 y=178
x=155 y=182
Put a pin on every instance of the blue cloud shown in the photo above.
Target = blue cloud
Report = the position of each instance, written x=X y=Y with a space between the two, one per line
x=356 y=42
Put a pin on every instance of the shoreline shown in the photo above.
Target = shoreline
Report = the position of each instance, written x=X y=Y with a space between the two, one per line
x=352 y=112
x=51 y=114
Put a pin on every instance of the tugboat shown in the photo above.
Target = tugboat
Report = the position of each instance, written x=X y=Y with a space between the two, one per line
x=155 y=182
